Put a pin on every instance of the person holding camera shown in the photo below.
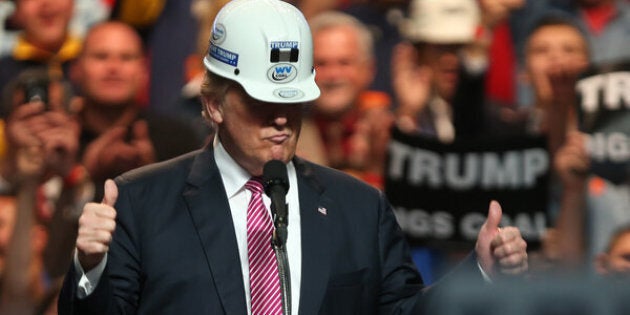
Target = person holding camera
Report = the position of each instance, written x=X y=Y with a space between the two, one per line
x=44 y=191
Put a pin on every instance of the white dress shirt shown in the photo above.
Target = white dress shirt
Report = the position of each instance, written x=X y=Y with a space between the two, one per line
x=234 y=179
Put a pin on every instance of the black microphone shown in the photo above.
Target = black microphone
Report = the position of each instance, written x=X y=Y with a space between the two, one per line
x=276 y=184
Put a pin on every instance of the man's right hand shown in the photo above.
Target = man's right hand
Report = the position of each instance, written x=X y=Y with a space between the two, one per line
x=96 y=227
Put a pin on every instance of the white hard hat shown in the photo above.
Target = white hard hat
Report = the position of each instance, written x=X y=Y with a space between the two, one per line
x=266 y=46
x=442 y=21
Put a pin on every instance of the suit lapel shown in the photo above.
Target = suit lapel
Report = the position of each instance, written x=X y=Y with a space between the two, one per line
x=316 y=241
x=210 y=212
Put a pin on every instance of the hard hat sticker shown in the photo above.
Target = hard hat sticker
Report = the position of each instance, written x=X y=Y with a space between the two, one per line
x=286 y=51
x=284 y=45
x=288 y=93
x=282 y=73
x=218 y=33
x=223 y=55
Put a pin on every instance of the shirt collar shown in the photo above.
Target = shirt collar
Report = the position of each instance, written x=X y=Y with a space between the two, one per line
x=234 y=176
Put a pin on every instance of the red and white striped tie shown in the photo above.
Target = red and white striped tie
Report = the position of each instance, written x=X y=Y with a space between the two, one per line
x=264 y=281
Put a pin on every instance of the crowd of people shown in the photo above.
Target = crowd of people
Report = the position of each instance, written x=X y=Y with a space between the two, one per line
x=94 y=89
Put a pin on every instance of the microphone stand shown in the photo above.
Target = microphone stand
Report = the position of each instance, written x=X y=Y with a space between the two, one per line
x=278 y=241
x=276 y=185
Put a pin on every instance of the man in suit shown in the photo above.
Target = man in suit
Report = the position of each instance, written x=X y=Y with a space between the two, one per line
x=173 y=237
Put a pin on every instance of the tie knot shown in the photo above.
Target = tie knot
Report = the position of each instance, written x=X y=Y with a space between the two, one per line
x=254 y=185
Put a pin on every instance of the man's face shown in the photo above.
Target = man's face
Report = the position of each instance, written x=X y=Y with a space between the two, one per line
x=554 y=49
x=343 y=68
x=111 y=67
x=255 y=132
x=7 y=219
x=45 y=21
x=443 y=60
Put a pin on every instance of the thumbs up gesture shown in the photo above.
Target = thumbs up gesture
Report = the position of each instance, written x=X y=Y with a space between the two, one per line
x=96 y=227
x=500 y=249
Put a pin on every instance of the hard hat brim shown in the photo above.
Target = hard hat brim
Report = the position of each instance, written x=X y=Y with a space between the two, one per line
x=290 y=93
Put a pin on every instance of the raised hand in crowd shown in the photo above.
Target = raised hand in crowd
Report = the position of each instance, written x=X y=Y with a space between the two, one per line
x=571 y=164
x=24 y=156
x=412 y=85
x=41 y=142
x=119 y=149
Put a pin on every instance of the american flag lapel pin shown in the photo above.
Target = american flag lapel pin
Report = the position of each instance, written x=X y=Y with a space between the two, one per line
x=322 y=210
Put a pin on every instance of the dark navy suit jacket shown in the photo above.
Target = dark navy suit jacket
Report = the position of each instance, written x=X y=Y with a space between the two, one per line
x=174 y=250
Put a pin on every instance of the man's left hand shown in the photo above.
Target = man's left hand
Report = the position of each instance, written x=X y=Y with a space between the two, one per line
x=501 y=250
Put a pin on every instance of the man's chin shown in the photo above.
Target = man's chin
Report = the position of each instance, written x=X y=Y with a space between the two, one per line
x=280 y=152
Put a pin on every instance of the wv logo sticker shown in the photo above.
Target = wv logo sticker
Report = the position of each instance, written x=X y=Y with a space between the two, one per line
x=282 y=73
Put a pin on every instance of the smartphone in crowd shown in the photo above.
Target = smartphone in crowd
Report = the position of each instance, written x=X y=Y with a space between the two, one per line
x=36 y=90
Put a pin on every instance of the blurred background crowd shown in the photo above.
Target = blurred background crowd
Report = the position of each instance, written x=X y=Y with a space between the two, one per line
x=94 y=88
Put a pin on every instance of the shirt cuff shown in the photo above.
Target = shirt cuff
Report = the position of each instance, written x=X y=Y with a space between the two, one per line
x=485 y=276
x=88 y=281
